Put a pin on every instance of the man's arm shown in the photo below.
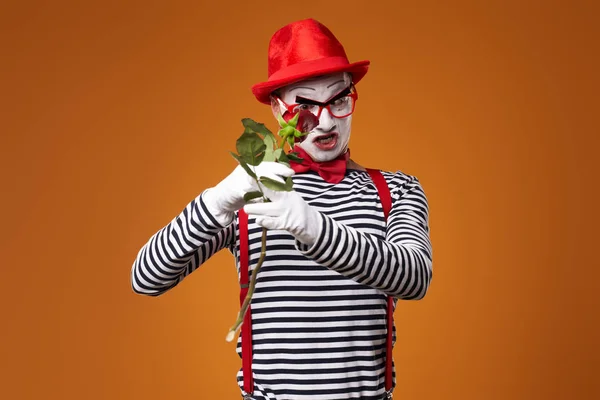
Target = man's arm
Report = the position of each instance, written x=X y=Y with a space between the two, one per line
x=179 y=248
x=400 y=265
x=203 y=228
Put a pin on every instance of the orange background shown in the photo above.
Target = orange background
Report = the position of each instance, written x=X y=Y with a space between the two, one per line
x=116 y=114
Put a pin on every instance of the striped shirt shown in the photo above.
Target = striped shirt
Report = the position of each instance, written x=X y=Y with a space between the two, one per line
x=318 y=312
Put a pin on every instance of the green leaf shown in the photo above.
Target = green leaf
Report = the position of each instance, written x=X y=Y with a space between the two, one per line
x=294 y=157
x=269 y=156
x=289 y=184
x=244 y=165
x=274 y=185
x=251 y=148
x=257 y=127
x=277 y=153
x=252 y=195
x=269 y=141
x=283 y=157
x=270 y=145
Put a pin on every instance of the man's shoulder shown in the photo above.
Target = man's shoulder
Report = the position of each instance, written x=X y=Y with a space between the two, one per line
x=396 y=179
x=399 y=180
x=397 y=174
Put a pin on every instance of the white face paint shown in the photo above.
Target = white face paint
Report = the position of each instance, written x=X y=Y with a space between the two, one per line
x=321 y=89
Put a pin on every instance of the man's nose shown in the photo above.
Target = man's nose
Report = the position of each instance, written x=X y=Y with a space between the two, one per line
x=326 y=122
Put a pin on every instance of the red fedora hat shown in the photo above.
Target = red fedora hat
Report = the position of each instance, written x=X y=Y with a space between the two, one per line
x=301 y=50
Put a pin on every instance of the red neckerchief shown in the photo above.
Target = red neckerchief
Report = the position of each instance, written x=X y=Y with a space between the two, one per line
x=332 y=171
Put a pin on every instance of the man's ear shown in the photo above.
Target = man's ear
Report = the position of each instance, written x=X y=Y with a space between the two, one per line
x=347 y=78
x=275 y=108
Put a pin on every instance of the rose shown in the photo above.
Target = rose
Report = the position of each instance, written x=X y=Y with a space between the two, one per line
x=294 y=126
x=254 y=149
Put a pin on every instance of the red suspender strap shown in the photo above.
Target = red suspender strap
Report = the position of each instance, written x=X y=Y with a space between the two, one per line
x=386 y=202
x=246 y=329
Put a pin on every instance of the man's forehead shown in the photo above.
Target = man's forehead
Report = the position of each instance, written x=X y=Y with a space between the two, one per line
x=321 y=85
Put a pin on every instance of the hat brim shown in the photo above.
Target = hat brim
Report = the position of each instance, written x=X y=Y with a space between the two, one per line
x=262 y=91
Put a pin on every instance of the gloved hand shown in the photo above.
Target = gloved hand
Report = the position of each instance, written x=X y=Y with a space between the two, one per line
x=290 y=212
x=224 y=199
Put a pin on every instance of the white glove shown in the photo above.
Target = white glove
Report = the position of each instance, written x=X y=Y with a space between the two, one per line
x=224 y=199
x=290 y=212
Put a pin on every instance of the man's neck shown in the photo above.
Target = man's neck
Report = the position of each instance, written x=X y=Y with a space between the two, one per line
x=353 y=165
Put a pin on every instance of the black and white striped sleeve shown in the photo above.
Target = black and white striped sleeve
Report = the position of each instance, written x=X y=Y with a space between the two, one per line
x=178 y=249
x=400 y=265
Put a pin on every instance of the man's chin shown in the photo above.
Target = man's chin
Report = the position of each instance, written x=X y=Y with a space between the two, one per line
x=318 y=154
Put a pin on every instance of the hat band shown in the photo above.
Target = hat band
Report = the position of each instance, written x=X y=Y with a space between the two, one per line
x=306 y=67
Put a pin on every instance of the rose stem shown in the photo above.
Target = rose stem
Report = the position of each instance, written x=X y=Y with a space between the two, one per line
x=250 y=292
